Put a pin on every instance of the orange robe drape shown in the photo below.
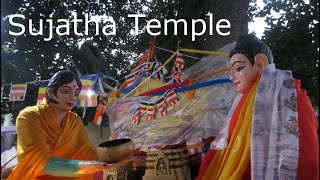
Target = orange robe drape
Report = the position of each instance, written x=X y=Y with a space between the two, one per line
x=308 y=164
x=231 y=162
x=40 y=138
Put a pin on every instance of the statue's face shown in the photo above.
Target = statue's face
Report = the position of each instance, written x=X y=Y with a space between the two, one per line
x=67 y=96
x=243 y=74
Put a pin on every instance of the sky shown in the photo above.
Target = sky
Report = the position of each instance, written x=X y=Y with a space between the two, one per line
x=258 y=25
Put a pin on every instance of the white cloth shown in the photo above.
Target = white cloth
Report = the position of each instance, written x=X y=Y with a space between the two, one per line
x=7 y=156
x=275 y=133
x=221 y=140
x=274 y=139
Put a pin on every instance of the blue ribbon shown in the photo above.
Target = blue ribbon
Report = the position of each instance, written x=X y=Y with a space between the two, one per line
x=195 y=86
x=136 y=82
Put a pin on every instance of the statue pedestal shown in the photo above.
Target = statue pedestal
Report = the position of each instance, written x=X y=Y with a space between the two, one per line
x=166 y=164
x=124 y=172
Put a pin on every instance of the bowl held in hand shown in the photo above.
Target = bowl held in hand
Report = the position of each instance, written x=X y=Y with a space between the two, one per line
x=115 y=150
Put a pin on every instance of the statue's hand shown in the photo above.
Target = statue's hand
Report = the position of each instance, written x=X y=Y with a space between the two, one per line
x=91 y=167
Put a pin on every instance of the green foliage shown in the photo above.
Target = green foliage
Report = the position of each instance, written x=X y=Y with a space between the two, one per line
x=293 y=36
x=43 y=53
x=294 y=40
x=28 y=58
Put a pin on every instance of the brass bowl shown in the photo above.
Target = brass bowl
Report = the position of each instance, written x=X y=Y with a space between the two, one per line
x=115 y=150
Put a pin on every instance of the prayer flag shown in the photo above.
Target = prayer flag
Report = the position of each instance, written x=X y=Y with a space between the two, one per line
x=131 y=79
x=102 y=107
x=148 y=68
x=161 y=106
x=42 y=90
x=18 y=92
x=177 y=77
x=194 y=147
x=179 y=62
x=159 y=74
x=87 y=96
x=147 y=55
x=150 y=111
x=171 y=98
x=87 y=100
x=136 y=116
x=176 y=70
x=143 y=107
x=98 y=117
x=156 y=66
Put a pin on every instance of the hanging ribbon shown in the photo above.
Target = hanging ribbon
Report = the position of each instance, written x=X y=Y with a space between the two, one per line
x=205 y=52
x=168 y=60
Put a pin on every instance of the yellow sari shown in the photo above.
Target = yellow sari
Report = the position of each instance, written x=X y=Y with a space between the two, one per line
x=40 y=138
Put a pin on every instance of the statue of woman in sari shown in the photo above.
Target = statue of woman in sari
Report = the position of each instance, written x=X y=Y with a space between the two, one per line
x=52 y=140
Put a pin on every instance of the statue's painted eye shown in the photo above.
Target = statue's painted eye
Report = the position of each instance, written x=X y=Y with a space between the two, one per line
x=64 y=91
x=240 y=68
x=77 y=93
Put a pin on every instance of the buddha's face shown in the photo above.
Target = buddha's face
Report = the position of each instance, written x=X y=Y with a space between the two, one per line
x=243 y=74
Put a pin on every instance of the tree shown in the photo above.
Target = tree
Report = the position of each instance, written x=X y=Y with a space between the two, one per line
x=33 y=58
x=294 y=40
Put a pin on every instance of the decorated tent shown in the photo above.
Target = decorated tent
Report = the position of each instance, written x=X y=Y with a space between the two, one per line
x=190 y=112
x=190 y=107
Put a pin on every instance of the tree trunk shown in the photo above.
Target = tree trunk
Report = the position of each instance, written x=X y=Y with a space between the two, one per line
x=235 y=12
